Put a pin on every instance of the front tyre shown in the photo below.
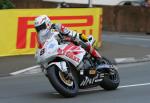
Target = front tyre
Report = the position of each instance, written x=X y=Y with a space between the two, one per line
x=65 y=86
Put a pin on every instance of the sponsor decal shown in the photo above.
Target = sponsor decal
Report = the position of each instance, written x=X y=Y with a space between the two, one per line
x=23 y=27
x=88 y=81
x=69 y=54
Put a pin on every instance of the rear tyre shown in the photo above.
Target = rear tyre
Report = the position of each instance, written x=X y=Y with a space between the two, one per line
x=66 y=87
x=111 y=79
x=111 y=82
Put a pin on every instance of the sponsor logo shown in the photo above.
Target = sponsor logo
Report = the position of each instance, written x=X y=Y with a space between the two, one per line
x=88 y=81
x=24 y=26
x=68 y=54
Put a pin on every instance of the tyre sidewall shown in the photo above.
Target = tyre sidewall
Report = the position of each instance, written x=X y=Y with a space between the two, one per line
x=109 y=84
x=61 y=88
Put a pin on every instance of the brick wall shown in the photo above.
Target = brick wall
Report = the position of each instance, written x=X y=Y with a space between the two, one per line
x=115 y=18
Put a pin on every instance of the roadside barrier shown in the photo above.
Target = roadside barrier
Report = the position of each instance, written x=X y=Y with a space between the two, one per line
x=18 y=36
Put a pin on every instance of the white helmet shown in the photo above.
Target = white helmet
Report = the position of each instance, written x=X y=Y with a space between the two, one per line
x=42 y=22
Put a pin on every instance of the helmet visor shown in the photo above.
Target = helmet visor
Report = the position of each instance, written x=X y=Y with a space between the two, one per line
x=41 y=27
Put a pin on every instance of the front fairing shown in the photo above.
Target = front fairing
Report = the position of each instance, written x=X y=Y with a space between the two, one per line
x=71 y=53
x=66 y=51
x=48 y=51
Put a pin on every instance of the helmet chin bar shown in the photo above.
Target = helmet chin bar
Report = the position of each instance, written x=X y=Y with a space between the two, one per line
x=40 y=27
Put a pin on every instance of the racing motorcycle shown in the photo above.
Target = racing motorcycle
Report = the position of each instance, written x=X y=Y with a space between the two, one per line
x=70 y=68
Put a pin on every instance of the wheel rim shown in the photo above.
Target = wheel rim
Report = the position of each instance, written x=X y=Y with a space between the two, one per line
x=67 y=82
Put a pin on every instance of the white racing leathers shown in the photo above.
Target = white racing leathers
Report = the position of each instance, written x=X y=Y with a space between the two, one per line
x=43 y=35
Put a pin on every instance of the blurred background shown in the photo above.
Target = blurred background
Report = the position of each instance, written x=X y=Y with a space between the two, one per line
x=124 y=30
x=118 y=15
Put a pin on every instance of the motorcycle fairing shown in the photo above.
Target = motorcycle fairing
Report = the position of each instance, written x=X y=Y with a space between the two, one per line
x=71 y=53
x=52 y=49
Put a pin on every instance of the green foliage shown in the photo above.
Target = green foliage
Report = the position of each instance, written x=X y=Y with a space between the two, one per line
x=6 y=4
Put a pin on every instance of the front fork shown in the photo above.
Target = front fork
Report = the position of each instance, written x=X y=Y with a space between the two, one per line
x=62 y=65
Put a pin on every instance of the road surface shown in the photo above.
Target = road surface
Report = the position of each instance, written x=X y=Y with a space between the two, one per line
x=134 y=88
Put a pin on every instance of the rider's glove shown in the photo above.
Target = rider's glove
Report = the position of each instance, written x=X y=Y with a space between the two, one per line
x=76 y=35
x=83 y=37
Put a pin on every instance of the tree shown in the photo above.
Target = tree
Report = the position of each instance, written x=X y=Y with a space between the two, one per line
x=6 y=4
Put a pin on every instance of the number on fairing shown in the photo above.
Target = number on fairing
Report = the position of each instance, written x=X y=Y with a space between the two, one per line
x=42 y=52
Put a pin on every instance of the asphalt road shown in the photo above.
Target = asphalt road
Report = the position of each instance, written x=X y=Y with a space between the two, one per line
x=134 y=39
x=134 y=88
x=123 y=45
x=35 y=88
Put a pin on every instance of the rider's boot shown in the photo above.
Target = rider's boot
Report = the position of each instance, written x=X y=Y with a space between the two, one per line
x=94 y=53
x=98 y=58
x=99 y=61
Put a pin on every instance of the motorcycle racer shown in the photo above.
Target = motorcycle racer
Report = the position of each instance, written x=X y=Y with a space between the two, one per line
x=43 y=26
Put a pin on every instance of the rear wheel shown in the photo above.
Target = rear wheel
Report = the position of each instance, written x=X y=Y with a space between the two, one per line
x=111 y=78
x=65 y=86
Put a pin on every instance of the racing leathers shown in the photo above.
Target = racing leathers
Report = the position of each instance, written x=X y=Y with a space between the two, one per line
x=66 y=32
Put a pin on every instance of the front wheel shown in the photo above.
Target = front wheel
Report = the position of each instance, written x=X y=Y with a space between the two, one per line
x=111 y=79
x=65 y=86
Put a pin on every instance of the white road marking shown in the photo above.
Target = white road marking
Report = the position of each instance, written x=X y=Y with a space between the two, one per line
x=138 y=39
x=121 y=60
x=117 y=60
x=125 y=86
x=86 y=90
x=148 y=56
x=134 y=85
x=24 y=70
x=34 y=69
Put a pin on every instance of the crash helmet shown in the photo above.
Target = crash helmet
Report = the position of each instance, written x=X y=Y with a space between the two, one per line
x=42 y=22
